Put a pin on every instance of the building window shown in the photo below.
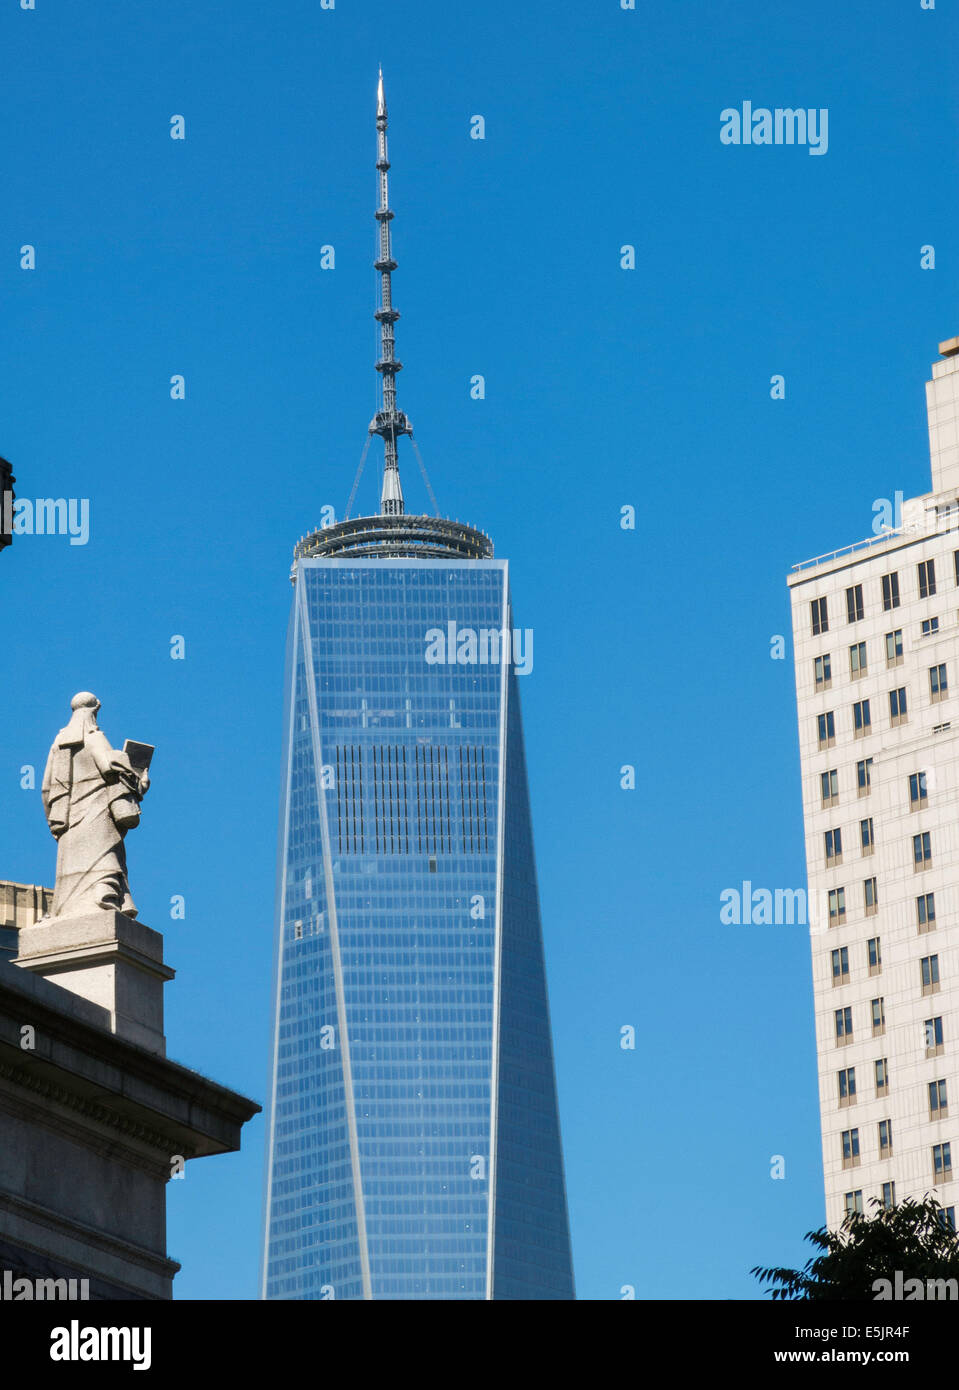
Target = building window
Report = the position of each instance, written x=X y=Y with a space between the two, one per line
x=847 y=1086
x=829 y=785
x=888 y=1195
x=882 y=1076
x=833 y=839
x=840 y=965
x=864 y=776
x=890 y=591
x=885 y=1138
x=826 y=724
x=917 y=790
x=942 y=1162
x=862 y=719
x=930 y=626
x=955 y=560
x=823 y=670
x=947 y=1218
x=857 y=660
x=927 y=578
x=820 y=617
x=926 y=911
x=929 y=969
x=870 y=896
x=878 y=1009
x=932 y=1028
x=850 y=1148
x=938 y=1104
x=843 y=1025
x=897 y=706
x=894 y=647
x=867 y=838
x=921 y=850
x=874 y=954
x=938 y=682
x=854 y=603
x=854 y=1203
x=837 y=906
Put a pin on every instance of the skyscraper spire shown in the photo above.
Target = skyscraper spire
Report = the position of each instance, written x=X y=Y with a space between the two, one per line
x=388 y=422
x=392 y=532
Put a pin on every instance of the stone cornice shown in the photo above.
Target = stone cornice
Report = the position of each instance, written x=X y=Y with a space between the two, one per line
x=46 y=1089
x=144 y=1096
x=89 y=1235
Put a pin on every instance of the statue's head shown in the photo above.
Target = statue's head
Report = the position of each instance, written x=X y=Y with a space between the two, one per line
x=83 y=720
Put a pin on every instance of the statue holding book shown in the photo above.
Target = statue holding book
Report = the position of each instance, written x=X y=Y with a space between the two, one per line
x=91 y=795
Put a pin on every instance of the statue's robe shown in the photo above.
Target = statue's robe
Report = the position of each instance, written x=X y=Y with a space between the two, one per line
x=78 y=788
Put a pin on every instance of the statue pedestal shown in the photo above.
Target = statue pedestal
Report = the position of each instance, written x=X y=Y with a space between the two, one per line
x=113 y=961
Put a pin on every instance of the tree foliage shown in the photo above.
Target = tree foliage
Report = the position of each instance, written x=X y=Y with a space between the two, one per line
x=913 y=1238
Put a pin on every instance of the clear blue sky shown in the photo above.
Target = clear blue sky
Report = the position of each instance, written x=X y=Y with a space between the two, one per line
x=605 y=387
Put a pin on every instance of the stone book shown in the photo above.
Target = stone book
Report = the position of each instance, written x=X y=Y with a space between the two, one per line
x=140 y=754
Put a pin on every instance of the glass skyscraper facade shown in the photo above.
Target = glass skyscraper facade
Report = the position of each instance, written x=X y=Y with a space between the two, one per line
x=414 y=1148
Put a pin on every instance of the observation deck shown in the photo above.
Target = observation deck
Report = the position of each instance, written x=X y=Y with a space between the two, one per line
x=389 y=537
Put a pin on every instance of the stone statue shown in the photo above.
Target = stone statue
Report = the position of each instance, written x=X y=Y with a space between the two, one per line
x=91 y=795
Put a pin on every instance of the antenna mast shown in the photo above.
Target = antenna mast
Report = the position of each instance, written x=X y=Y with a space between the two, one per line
x=389 y=422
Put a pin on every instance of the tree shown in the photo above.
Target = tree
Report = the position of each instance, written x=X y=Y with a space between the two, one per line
x=914 y=1239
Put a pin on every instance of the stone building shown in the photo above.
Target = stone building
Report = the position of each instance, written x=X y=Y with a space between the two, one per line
x=94 y=1119
x=876 y=632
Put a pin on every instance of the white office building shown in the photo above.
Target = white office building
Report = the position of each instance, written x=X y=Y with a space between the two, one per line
x=876 y=641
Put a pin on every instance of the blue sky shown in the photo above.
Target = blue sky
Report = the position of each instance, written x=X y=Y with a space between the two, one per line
x=604 y=388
